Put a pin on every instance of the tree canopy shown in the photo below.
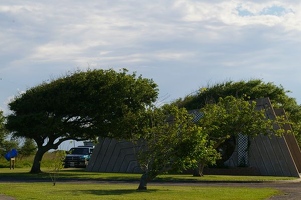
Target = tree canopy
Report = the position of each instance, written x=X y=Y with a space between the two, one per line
x=248 y=90
x=80 y=106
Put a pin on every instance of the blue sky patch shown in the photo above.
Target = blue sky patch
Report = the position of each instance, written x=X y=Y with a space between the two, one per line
x=244 y=13
x=274 y=10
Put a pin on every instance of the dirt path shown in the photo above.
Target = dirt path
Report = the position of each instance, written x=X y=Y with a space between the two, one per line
x=3 y=197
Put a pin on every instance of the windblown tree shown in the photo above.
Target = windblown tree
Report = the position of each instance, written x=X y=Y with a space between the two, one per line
x=232 y=116
x=172 y=142
x=248 y=90
x=80 y=106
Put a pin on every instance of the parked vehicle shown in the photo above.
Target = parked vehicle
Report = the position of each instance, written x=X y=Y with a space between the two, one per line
x=78 y=156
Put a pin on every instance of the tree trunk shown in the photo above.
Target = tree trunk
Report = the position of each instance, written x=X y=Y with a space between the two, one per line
x=199 y=171
x=143 y=182
x=36 y=167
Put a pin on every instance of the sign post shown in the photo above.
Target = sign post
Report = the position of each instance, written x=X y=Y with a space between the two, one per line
x=12 y=163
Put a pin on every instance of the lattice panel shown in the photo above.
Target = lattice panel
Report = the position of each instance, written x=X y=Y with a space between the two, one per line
x=242 y=150
x=197 y=115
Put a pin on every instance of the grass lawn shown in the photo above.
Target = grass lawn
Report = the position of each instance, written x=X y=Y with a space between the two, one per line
x=75 y=191
x=39 y=186
x=81 y=174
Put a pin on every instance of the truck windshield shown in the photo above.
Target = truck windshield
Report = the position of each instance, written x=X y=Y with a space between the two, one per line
x=83 y=151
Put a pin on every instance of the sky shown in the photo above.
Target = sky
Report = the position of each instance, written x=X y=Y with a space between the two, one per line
x=182 y=45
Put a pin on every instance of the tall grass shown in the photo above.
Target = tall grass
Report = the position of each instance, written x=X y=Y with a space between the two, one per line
x=26 y=162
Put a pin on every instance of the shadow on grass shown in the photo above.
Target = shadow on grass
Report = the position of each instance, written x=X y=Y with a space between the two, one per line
x=115 y=192
x=174 y=179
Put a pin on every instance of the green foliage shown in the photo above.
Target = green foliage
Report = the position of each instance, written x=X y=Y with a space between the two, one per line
x=80 y=106
x=26 y=161
x=3 y=131
x=173 y=142
x=232 y=116
x=10 y=144
x=56 y=165
x=28 y=148
x=229 y=117
x=161 y=140
x=247 y=90
x=3 y=162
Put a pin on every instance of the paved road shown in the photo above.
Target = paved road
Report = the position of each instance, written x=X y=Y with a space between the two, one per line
x=291 y=190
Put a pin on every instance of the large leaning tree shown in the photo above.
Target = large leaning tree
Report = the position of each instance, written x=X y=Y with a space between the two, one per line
x=79 y=106
x=248 y=90
x=171 y=142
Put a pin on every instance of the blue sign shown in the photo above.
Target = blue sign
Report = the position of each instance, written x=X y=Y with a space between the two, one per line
x=11 y=154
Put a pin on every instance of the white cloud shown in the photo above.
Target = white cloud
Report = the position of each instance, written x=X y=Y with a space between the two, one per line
x=166 y=40
x=80 y=32
x=242 y=13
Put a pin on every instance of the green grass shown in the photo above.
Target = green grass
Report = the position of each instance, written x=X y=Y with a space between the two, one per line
x=20 y=184
x=81 y=174
x=79 y=191
x=39 y=186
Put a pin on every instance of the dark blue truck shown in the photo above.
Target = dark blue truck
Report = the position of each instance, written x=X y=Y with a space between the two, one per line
x=78 y=156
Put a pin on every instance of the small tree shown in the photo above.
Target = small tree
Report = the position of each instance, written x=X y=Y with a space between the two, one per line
x=56 y=165
x=171 y=143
